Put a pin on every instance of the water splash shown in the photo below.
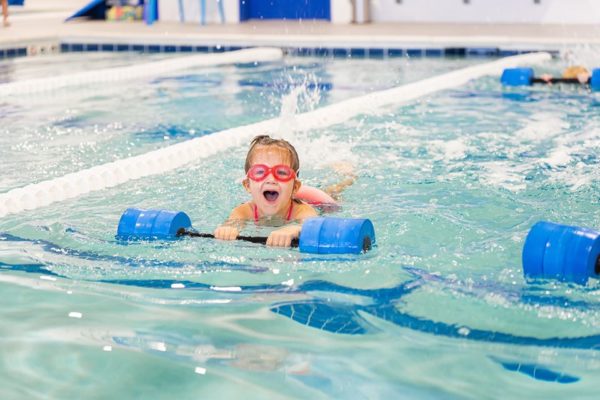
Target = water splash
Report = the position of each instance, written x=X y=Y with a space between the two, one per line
x=303 y=97
x=584 y=54
x=318 y=150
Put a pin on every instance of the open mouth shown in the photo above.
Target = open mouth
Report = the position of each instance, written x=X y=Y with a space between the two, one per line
x=271 y=195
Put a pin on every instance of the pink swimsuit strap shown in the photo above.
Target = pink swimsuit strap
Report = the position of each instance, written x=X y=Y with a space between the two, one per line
x=287 y=219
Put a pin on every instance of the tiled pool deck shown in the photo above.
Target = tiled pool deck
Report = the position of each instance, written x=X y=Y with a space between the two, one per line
x=43 y=26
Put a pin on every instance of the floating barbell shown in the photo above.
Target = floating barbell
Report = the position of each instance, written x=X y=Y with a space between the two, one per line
x=525 y=77
x=319 y=235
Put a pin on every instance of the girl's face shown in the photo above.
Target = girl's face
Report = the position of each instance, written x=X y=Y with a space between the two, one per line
x=271 y=196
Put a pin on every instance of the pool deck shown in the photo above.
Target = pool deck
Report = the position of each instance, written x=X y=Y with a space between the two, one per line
x=40 y=22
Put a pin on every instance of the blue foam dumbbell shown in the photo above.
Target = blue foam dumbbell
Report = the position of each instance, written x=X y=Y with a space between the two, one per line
x=567 y=253
x=517 y=77
x=319 y=235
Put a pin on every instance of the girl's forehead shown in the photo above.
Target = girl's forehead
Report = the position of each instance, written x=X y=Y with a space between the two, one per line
x=271 y=153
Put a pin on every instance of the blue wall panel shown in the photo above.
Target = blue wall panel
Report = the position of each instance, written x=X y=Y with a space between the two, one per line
x=285 y=9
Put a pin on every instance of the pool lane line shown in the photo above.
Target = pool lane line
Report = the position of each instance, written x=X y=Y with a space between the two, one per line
x=347 y=317
x=138 y=71
x=535 y=370
x=169 y=158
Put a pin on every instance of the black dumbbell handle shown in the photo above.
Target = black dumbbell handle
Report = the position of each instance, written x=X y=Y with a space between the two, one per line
x=253 y=239
x=557 y=80
x=366 y=245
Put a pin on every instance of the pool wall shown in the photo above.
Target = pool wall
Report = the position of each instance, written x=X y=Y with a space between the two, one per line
x=333 y=50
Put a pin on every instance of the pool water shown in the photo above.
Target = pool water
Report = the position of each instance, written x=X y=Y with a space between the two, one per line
x=439 y=309
x=47 y=135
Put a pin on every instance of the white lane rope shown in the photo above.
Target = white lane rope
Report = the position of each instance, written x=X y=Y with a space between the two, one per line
x=371 y=102
x=138 y=71
x=172 y=157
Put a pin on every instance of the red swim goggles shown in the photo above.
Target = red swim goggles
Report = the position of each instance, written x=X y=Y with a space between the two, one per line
x=281 y=173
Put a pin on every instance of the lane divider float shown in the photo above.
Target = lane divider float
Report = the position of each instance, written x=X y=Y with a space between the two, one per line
x=139 y=71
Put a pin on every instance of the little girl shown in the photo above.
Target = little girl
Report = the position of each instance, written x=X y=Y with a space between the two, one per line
x=272 y=180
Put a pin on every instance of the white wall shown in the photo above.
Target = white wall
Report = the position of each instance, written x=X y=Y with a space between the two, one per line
x=477 y=11
x=168 y=10
x=481 y=11
x=341 y=11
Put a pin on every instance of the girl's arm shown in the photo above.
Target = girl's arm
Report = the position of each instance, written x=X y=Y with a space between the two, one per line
x=283 y=237
x=336 y=190
x=230 y=229
x=347 y=170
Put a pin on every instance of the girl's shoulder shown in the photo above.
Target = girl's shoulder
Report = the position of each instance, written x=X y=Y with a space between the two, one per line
x=243 y=211
x=303 y=210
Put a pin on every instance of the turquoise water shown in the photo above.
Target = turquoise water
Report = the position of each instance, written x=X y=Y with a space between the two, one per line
x=47 y=135
x=439 y=309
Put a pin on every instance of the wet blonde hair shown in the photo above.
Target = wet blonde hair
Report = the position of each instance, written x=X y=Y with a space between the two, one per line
x=267 y=141
x=573 y=72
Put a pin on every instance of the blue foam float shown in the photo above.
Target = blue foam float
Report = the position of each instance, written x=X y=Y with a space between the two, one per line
x=319 y=235
x=595 y=80
x=535 y=243
x=517 y=77
x=137 y=223
x=336 y=235
x=566 y=253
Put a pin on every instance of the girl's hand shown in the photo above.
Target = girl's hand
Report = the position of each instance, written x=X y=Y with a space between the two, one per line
x=283 y=237
x=225 y=232
x=546 y=78
x=583 y=77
